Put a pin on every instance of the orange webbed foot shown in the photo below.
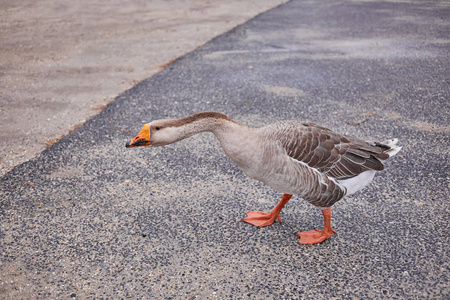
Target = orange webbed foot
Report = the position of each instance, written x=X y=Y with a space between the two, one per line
x=261 y=219
x=314 y=236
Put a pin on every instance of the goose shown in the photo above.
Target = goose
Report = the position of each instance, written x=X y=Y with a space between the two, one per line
x=292 y=157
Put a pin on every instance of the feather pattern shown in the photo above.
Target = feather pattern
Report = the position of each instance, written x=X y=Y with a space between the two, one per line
x=333 y=156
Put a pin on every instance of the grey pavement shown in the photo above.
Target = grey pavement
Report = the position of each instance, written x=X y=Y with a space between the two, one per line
x=89 y=218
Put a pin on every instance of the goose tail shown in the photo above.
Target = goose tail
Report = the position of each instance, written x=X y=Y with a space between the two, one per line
x=391 y=146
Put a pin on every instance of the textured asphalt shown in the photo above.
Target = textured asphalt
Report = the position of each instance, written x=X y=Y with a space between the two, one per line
x=89 y=218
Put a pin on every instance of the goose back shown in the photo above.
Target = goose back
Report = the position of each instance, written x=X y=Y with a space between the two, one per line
x=337 y=156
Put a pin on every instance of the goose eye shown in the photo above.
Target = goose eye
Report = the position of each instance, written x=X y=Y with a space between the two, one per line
x=157 y=128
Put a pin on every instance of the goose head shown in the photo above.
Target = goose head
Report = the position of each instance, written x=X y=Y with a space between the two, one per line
x=167 y=131
x=159 y=133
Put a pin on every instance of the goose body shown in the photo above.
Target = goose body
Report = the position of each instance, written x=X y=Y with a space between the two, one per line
x=292 y=157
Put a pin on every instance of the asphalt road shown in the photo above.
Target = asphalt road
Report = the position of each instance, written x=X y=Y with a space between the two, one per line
x=90 y=218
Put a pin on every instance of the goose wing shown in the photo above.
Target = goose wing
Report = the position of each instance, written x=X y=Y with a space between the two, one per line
x=335 y=155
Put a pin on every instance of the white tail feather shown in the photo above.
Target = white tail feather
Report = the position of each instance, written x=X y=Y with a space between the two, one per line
x=358 y=182
x=392 y=143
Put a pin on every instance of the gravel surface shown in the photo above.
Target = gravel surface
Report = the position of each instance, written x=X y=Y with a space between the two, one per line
x=89 y=218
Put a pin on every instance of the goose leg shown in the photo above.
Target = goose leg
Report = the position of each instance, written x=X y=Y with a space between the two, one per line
x=316 y=236
x=261 y=219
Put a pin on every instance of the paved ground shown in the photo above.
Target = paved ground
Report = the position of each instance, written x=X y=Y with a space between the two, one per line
x=62 y=61
x=90 y=218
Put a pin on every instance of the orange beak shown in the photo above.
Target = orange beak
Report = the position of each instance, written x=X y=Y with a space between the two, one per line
x=142 y=139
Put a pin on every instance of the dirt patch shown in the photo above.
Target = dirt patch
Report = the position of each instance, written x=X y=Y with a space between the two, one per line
x=424 y=126
x=283 y=91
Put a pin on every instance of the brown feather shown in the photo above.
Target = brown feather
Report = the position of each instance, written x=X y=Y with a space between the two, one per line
x=335 y=155
x=359 y=153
